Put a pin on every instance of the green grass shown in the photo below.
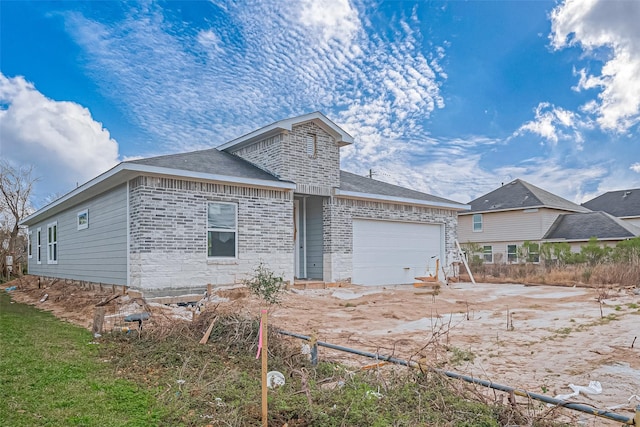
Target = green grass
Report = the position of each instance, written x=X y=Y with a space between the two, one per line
x=51 y=376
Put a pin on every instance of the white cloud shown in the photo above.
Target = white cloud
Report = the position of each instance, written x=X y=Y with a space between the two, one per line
x=288 y=61
x=334 y=19
x=552 y=122
x=556 y=177
x=635 y=167
x=597 y=24
x=61 y=139
x=209 y=40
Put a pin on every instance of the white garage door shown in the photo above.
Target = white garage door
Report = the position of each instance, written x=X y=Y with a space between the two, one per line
x=388 y=252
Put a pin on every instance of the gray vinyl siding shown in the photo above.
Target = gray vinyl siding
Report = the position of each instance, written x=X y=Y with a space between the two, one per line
x=97 y=253
x=314 y=238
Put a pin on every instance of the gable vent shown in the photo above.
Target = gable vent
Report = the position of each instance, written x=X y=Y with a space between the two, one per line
x=312 y=146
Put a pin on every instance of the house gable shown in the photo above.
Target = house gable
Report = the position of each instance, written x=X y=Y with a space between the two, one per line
x=304 y=150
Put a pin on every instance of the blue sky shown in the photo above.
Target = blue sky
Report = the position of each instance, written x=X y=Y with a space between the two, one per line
x=451 y=98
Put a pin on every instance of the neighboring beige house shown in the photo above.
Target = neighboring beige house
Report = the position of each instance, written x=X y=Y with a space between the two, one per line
x=502 y=220
x=623 y=204
x=276 y=195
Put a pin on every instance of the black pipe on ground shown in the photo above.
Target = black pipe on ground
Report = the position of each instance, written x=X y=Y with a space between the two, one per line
x=575 y=406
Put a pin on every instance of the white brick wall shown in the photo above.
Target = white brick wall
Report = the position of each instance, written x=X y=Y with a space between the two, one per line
x=168 y=233
x=338 y=229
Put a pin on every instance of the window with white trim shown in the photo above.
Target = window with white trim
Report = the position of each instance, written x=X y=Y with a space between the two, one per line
x=39 y=245
x=30 y=244
x=52 y=243
x=477 y=222
x=533 y=250
x=487 y=254
x=83 y=219
x=512 y=254
x=222 y=230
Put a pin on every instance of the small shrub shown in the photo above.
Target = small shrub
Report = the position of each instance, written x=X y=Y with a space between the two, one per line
x=265 y=284
x=459 y=355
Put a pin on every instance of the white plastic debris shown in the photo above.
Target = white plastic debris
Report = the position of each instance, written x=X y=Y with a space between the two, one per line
x=625 y=405
x=305 y=350
x=370 y=393
x=275 y=379
x=594 y=387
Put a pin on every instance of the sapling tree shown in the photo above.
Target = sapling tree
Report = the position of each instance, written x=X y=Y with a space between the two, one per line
x=265 y=284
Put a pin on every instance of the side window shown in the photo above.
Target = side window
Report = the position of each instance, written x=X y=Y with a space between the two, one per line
x=39 y=245
x=534 y=253
x=83 y=219
x=30 y=244
x=222 y=230
x=52 y=243
x=487 y=254
x=512 y=254
x=477 y=222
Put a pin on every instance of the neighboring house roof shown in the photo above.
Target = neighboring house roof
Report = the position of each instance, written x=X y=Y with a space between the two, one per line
x=212 y=161
x=341 y=137
x=583 y=226
x=620 y=203
x=356 y=186
x=519 y=194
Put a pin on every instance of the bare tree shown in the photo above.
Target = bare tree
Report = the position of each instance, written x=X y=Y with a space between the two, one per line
x=16 y=186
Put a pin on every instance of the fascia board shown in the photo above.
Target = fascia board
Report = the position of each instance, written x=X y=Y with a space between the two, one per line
x=522 y=208
x=404 y=200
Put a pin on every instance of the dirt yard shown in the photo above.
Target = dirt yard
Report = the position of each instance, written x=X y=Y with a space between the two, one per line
x=538 y=338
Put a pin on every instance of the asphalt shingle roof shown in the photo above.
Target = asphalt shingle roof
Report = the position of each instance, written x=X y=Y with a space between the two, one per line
x=211 y=161
x=521 y=194
x=218 y=162
x=583 y=226
x=361 y=184
x=620 y=203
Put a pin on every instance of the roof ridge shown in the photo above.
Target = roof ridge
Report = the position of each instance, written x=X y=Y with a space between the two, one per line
x=544 y=192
